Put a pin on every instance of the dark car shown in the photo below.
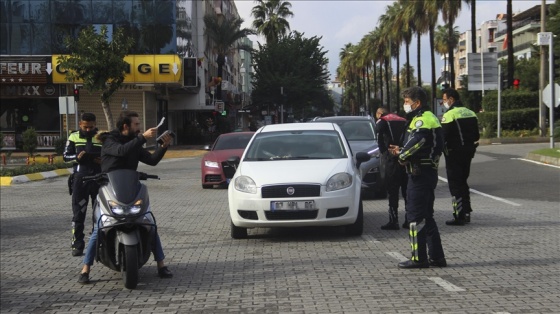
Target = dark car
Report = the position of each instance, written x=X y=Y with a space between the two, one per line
x=360 y=133
x=214 y=168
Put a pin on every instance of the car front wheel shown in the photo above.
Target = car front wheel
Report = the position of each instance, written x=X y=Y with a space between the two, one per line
x=357 y=228
x=238 y=232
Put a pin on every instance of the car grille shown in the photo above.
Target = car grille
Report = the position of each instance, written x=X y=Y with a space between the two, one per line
x=229 y=171
x=213 y=178
x=291 y=215
x=336 y=212
x=300 y=190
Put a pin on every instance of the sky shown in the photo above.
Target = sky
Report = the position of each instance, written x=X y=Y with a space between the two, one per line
x=346 y=21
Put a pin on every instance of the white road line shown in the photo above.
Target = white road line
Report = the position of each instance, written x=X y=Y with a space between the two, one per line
x=398 y=256
x=538 y=163
x=487 y=195
x=446 y=284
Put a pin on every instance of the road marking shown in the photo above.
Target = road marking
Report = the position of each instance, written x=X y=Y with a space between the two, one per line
x=370 y=238
x=446 y=284
x=538 y=163
x=398 y=256
x=487 y=195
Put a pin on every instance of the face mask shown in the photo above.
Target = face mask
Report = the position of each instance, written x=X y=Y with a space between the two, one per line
x=446 y=105
x=87 y=134
x=407 y=108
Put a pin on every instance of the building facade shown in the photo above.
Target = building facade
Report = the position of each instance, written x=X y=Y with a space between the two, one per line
x=165 y=32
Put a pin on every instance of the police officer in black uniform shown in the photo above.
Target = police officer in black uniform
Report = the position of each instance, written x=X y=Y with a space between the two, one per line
x=390 y=130
x=83 y=148
x=420 y=156
x=461 y=134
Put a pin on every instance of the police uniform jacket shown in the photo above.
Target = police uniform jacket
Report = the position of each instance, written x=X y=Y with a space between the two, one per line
x=423 y=143
x=460 y=128
x=77 y=142
x=390 y=129
x=124 y=152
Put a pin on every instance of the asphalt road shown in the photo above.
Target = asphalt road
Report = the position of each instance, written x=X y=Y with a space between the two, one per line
x=505 y=261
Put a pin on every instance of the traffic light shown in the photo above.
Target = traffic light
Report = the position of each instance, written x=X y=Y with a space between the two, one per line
x=76 y=94
x=190 y=75
x=516 y=83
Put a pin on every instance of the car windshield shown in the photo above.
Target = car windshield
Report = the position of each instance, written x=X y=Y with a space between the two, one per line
x=357 y=130
x=294 y=145
x=238 y=141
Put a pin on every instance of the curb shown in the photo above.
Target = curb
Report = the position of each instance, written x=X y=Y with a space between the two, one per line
x=7 y=181
x=544 y=159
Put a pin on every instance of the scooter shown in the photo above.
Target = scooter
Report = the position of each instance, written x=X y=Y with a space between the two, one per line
x=126 y=225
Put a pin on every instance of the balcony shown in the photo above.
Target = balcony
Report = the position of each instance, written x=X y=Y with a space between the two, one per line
x=521 y=26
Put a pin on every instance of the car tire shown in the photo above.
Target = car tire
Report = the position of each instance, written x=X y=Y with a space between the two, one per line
x=206 y=186
x=357 y=228
x=238 y=232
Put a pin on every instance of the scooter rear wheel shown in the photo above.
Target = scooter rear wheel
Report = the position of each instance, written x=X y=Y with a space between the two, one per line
x=129 y=262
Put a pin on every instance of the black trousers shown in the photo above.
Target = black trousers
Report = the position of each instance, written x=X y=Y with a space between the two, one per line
x=458 y=166
x=81 y=195
x=420 y=211
x=395 y=178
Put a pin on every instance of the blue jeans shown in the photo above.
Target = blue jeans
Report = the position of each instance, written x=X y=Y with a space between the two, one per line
x=157 y=249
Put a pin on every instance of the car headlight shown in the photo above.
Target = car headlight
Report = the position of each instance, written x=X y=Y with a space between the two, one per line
x=119 y=209
x=339 y=181
x=245 y=184
x=211 y=164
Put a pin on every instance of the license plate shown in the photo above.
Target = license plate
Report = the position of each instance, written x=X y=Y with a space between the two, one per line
x=292 y=205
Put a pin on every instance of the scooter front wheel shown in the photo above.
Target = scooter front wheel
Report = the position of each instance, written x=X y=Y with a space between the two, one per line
x=129 y=268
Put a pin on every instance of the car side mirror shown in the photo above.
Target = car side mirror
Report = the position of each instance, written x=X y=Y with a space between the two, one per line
x=206 y=147
x=362 y=157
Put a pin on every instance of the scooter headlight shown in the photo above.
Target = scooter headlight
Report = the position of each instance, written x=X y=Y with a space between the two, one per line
x=120 y=210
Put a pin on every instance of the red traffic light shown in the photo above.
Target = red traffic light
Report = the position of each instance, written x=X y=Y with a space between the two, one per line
x=76 y=94
x=516 y=83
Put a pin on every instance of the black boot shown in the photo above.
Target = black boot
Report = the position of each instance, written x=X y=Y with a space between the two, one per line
x=393 y=223
x=458 y=213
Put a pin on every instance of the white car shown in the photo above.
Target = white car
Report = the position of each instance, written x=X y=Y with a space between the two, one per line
x=294 y=175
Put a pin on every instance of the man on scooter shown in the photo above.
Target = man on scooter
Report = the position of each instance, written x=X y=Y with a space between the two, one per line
x=123 y=149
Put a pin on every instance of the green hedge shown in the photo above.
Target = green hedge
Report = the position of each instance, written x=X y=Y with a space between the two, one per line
x=519 y=119
x=11 y=172
x=511 y=99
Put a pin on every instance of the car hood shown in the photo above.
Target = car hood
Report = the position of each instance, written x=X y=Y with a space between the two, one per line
x=293 y=171
x=362 y=146
x=222 y=155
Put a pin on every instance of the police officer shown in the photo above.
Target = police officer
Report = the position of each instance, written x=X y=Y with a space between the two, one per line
x=461 y=134
x=390 y=130
x=420 y=156
x=83 y=148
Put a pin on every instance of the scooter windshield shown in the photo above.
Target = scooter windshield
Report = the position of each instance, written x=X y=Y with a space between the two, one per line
x=125 y=185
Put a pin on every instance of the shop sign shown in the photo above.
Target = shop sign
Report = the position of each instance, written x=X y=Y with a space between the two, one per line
x=25 y=70
x=28 y=91
x=143 y=69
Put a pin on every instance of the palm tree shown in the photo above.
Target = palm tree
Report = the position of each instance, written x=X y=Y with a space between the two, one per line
x=431 y=9
x=403 y=19
x=394 y=35
x=225 y=32
x=270 y=19
x=450 y=10
x=420 y=24
x=472 y=3
x=442 y=43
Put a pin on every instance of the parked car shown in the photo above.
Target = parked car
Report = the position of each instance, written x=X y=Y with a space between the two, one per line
x=295 y=175
x=214 y=168
x=360 y=133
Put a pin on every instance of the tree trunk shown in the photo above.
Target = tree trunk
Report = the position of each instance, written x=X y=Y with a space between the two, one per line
x=221 y=61
x=108 y=115
x=407 y=64
x=368 y=90
x=374 y=80
x=381 y=83
x=450 y=53
x=398 y=90
x=473 y=26
x=418 y=59
x=433 y=61
x=387 y=80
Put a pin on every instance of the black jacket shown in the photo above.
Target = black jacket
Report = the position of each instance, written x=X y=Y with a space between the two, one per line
x=123 y=152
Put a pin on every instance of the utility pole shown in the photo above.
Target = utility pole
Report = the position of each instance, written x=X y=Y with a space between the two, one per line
x=542 y=76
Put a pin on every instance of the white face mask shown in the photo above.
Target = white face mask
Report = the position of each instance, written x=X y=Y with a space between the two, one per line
x=407 y=108
x=446 y=105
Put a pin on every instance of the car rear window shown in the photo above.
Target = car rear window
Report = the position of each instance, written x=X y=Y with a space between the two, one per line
x=239 y=141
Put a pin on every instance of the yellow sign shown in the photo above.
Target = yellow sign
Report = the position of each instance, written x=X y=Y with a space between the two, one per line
x=142 y=69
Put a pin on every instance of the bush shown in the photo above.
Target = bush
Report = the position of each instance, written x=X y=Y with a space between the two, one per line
x=520 y=119
x=11 y=172
x=511 y=99
x=30 y=141
x=59 y=145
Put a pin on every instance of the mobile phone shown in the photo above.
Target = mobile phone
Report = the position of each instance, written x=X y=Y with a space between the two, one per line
x=159 y=139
